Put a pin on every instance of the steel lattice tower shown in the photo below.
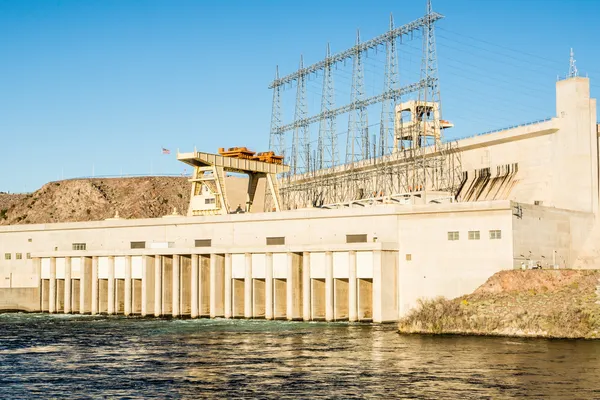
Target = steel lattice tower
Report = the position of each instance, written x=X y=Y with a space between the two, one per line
x=300 y=145
x=276 y=138
x=327 y=151
x=357 y=140
x=387 y=142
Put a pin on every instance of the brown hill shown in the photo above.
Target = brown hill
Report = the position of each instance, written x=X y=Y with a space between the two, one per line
x=7 y=200
x=99 y=198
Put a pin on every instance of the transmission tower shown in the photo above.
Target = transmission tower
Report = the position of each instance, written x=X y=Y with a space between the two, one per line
x=299 y=162
x=387 y=143
x=356 y=145
x=327 y=131
x=276 y=139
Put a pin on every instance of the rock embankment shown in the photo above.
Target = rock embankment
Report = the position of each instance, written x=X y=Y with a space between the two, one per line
x=537 y=303
x=96 y=199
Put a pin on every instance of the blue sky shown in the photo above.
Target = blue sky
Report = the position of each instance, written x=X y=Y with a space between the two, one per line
x=100 y=86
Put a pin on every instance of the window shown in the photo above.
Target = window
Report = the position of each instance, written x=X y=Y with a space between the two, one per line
x=7 y=256
x=209 y=201
x=453 y=235
x=356 y=238
x=19 y=256
x=273 y=241
x=79 y=246
x=29 y=240
x=138 y=245
x=496 y=234
x=203 y=242
x=29 y=256
x=409 y=257
x=474 y=235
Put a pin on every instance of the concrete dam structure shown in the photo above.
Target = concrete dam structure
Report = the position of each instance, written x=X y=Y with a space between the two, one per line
x=368 y=263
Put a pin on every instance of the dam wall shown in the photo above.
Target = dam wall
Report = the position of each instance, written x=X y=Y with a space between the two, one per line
x=369 y=264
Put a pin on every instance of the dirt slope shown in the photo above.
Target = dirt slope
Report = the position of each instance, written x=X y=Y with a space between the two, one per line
x=99 y=198
x=549 y=303
x=7 y=200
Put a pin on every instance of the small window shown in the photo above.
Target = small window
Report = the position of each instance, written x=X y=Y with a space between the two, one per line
x=7 y=256
x=138 y=245
x=474 y=235
x=29 y=256
x=496 y=234
x=203 y=242
x=209 y=201
x=79 y=246
x=453 y=235
x=273 y=241
x=29 y=240
x=356 y=238
x=409 y=257
x=19 y=256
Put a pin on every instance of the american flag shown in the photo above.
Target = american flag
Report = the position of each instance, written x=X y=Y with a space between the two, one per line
x=166 y=151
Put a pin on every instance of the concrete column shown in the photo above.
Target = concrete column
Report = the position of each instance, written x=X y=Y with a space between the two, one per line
x=195 y=291
x=157 y=285
x=144 y=311
x=329 y=286
x=290 y=282
x=352 y=289
x=228 y=309
x=37 y=264
x=84 y=280
x=176 y=285
x=111 y=285
x=248 y=299
x=127 y=307
x=269 y=286
x=68 y=296
x=52 y=289
x=306 y=286
x=216 y=285
x=94 y=285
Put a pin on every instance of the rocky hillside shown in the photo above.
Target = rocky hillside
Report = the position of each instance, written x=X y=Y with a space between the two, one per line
x=7 y=200
x=548 y=303
x=97 y=199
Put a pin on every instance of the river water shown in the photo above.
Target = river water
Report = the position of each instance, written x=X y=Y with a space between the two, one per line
x=43 y=356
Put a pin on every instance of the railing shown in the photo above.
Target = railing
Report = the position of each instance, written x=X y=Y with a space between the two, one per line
x=506 y=128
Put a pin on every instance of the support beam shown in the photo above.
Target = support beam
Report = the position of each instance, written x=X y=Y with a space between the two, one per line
x=157 y=285
x=248 y=287
x=329 y=315
x=85 y=280
x=217 y=286
x=269 y=286
x=352 y=288
x=111 y=285
x=176 y=301
x=95 y=284
x=128 y=289
x=228 y=306
x=306 y=300
x=147 y=285
x=68 y=285
x=195 y=283
x=52 y=289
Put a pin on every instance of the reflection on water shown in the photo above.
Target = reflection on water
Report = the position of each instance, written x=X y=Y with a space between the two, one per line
x=44 y=356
